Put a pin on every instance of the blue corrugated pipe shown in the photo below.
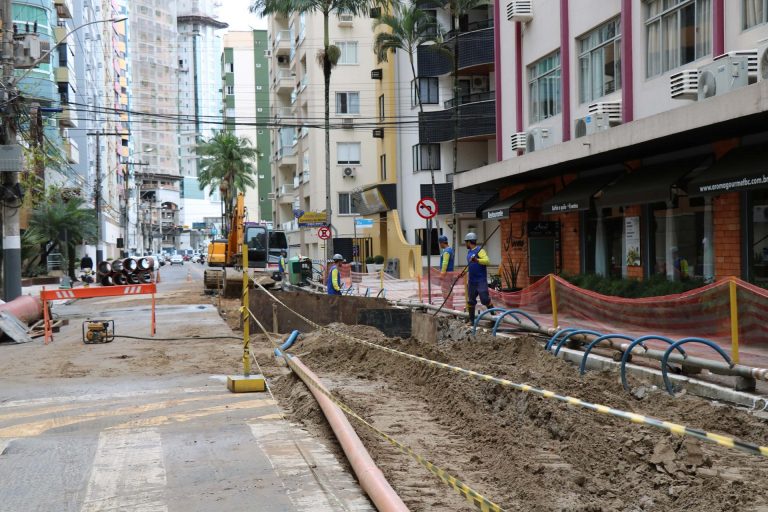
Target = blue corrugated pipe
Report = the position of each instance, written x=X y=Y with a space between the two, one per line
x=513 y=313
x=287 y=344
x=552 y=340
x=683 y=341
x=640 y=341
x=481 y=315
x=574 y=333
x=593 y=343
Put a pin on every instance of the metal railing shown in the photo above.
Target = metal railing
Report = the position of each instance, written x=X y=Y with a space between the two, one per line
x=282 y=35
x=475 y=25
x=470 y=98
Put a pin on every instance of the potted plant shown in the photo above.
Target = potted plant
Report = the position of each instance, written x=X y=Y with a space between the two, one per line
x=509 y=272
x=376 y=265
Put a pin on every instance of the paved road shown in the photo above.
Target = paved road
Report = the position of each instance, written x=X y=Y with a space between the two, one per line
x=151 y=442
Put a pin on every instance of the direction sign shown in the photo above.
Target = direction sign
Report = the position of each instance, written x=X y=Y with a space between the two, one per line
x=426 y=208
x=324 y=233
x=363 y=223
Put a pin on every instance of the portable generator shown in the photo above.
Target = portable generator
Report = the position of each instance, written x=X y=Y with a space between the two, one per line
x=299 y=271
x=98 y=331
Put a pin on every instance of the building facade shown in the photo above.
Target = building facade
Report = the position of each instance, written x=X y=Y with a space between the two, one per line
x=245 y=86
x=200 y=45
x=298 y=138
x=631 y=139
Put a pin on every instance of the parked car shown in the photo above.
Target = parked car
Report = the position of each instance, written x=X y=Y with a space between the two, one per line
x=195 y=258
x=177 y=259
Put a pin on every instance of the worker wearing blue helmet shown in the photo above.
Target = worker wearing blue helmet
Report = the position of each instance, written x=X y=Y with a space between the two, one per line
x=446 y=256
x=477 y=275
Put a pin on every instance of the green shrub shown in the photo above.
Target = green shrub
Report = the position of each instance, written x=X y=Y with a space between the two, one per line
x=654 y=286
x=369 y=260
x=378 y=259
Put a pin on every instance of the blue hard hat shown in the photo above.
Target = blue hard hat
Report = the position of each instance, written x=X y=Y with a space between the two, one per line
x=443 y=239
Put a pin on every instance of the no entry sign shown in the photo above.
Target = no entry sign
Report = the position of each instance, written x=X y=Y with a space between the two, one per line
x=426 y=208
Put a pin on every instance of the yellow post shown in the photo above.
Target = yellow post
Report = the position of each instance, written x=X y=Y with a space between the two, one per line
x=734 y=321
x=553 y=298
x=246 y=318
x=418 y=284
x=381 y=278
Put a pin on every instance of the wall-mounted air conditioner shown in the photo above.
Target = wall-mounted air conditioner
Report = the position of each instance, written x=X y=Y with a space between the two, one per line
x=378 y=133
x=346 y=19
x=762 y=62
x=723 y=75
x=610 y=108
x=282 y=59
x=347 y=122
x=520 y=10
x=752 y=59
x=348 y=172
x=536 y=139
x=592 y=124
x=267 y=53
x=518 y=141
x=479 y=84
x=684 y=85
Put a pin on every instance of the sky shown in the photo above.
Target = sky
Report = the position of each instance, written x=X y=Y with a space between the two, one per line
x=235 y=12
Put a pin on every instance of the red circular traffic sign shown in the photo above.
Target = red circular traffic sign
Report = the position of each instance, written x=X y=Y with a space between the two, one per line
x=324 y=233
x=426 y=207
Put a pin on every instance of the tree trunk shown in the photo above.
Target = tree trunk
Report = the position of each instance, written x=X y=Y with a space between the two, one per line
x=326 y=97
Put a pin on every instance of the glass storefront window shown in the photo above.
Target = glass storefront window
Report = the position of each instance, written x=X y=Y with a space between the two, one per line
x=758 y=270
x=604 y=246
x=682 y=239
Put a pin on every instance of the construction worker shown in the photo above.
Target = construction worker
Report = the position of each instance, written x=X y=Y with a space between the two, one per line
x=446 y=256
x=477 y=276
x=281 y=264
x=334 y=276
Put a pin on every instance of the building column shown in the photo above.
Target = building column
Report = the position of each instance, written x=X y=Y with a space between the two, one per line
x=627 y=64
x=565 y=69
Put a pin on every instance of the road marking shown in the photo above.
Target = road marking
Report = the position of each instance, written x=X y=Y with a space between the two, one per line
x=128 y=473
x=102 y=396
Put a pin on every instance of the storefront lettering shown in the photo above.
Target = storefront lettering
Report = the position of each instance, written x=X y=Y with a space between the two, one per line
x=564 y=207
x=495 y=215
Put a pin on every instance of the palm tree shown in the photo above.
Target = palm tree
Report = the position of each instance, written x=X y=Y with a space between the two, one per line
x=226 y=163
x=59 y=219
x=327 y=58
x=407 y=28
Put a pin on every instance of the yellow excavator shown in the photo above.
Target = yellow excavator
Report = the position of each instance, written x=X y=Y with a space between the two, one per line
x=225 y=257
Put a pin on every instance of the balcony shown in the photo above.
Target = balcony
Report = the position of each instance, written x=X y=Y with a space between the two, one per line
x=282 y=112
x=285 y=194
x=67 y=118
x=283 y=82
x=63 y=8
x=475 y=52
x=286 y=156
x=283 y=44
x=71 y=151
x=59 y=33
x=289 y=226
x=476 y=120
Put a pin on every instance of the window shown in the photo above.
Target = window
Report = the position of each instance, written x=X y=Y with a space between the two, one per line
x=346 y=205
x=677 y=32
x=382 y=114
x=431 y=22
x=383 y=167
x=429 y=92
x=230 y=67
x=348 y=153
x=544 y=87
x=348 y=52
x=426 y=157
x=754 y=12
x=230 y=90
x=421 y=239
x=347 y=102
x=682 y=239
x=600 y=61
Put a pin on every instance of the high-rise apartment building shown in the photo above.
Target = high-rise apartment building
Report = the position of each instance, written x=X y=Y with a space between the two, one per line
x=199 y=105
x=245 y=89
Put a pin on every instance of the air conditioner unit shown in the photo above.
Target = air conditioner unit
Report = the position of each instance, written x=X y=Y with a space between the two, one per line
x=479 y=83
x=345 y=19
x=536 y=139
x=348 y=172
x=347 y=122
x=610 y=108
x=752 y=59
x=593 y=123
x=518 y=141
x=762 y=62
x=684 y=85
x=376 y=74
x=722 y=76
x=520 y=10
x=272 y=195
x=282 y=59
x=378 y=133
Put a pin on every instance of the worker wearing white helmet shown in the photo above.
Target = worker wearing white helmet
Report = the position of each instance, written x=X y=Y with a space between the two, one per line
x=477 y=275
x=334 y=276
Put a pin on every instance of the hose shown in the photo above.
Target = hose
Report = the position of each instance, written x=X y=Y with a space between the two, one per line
x=683 y=341
x=578 y=331
x=593 y=343
x=180 y=339
x=640 y=341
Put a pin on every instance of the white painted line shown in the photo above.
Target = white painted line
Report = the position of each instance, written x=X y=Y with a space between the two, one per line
x=103 y=396
x=128 y=473
x=4 y=442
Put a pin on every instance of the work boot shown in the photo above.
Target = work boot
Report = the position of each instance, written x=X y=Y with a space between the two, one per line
x=471 y=311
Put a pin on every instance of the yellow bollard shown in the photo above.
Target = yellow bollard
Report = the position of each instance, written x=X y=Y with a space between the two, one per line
x=734 y=320
x=418 y=284
x=553 y=298
x=381 y=278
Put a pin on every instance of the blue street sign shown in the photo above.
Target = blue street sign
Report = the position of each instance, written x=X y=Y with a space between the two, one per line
x=363 y=223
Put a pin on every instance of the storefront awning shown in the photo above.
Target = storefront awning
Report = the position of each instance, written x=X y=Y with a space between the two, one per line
x=652 y=184
x=577 y=195
x=741 y=169
x=497 y=209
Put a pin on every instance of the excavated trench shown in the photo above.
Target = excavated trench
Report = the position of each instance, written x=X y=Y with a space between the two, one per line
x=521 y=451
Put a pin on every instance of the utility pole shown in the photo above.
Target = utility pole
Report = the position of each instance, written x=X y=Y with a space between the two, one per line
x=97 y=192
x=10 y=208
x=126 y=214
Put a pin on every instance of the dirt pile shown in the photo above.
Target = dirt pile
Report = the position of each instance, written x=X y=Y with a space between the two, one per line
x=524 y=452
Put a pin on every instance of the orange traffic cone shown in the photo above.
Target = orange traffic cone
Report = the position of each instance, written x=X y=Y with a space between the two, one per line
x=157 y=276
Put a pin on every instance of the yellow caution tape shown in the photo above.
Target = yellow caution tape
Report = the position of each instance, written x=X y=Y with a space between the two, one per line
x=726 y=441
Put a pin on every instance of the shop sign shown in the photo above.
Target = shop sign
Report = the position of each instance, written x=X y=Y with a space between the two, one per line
x=566 y=206
x=543 y=229
x=632 y=241
x=313 y=220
